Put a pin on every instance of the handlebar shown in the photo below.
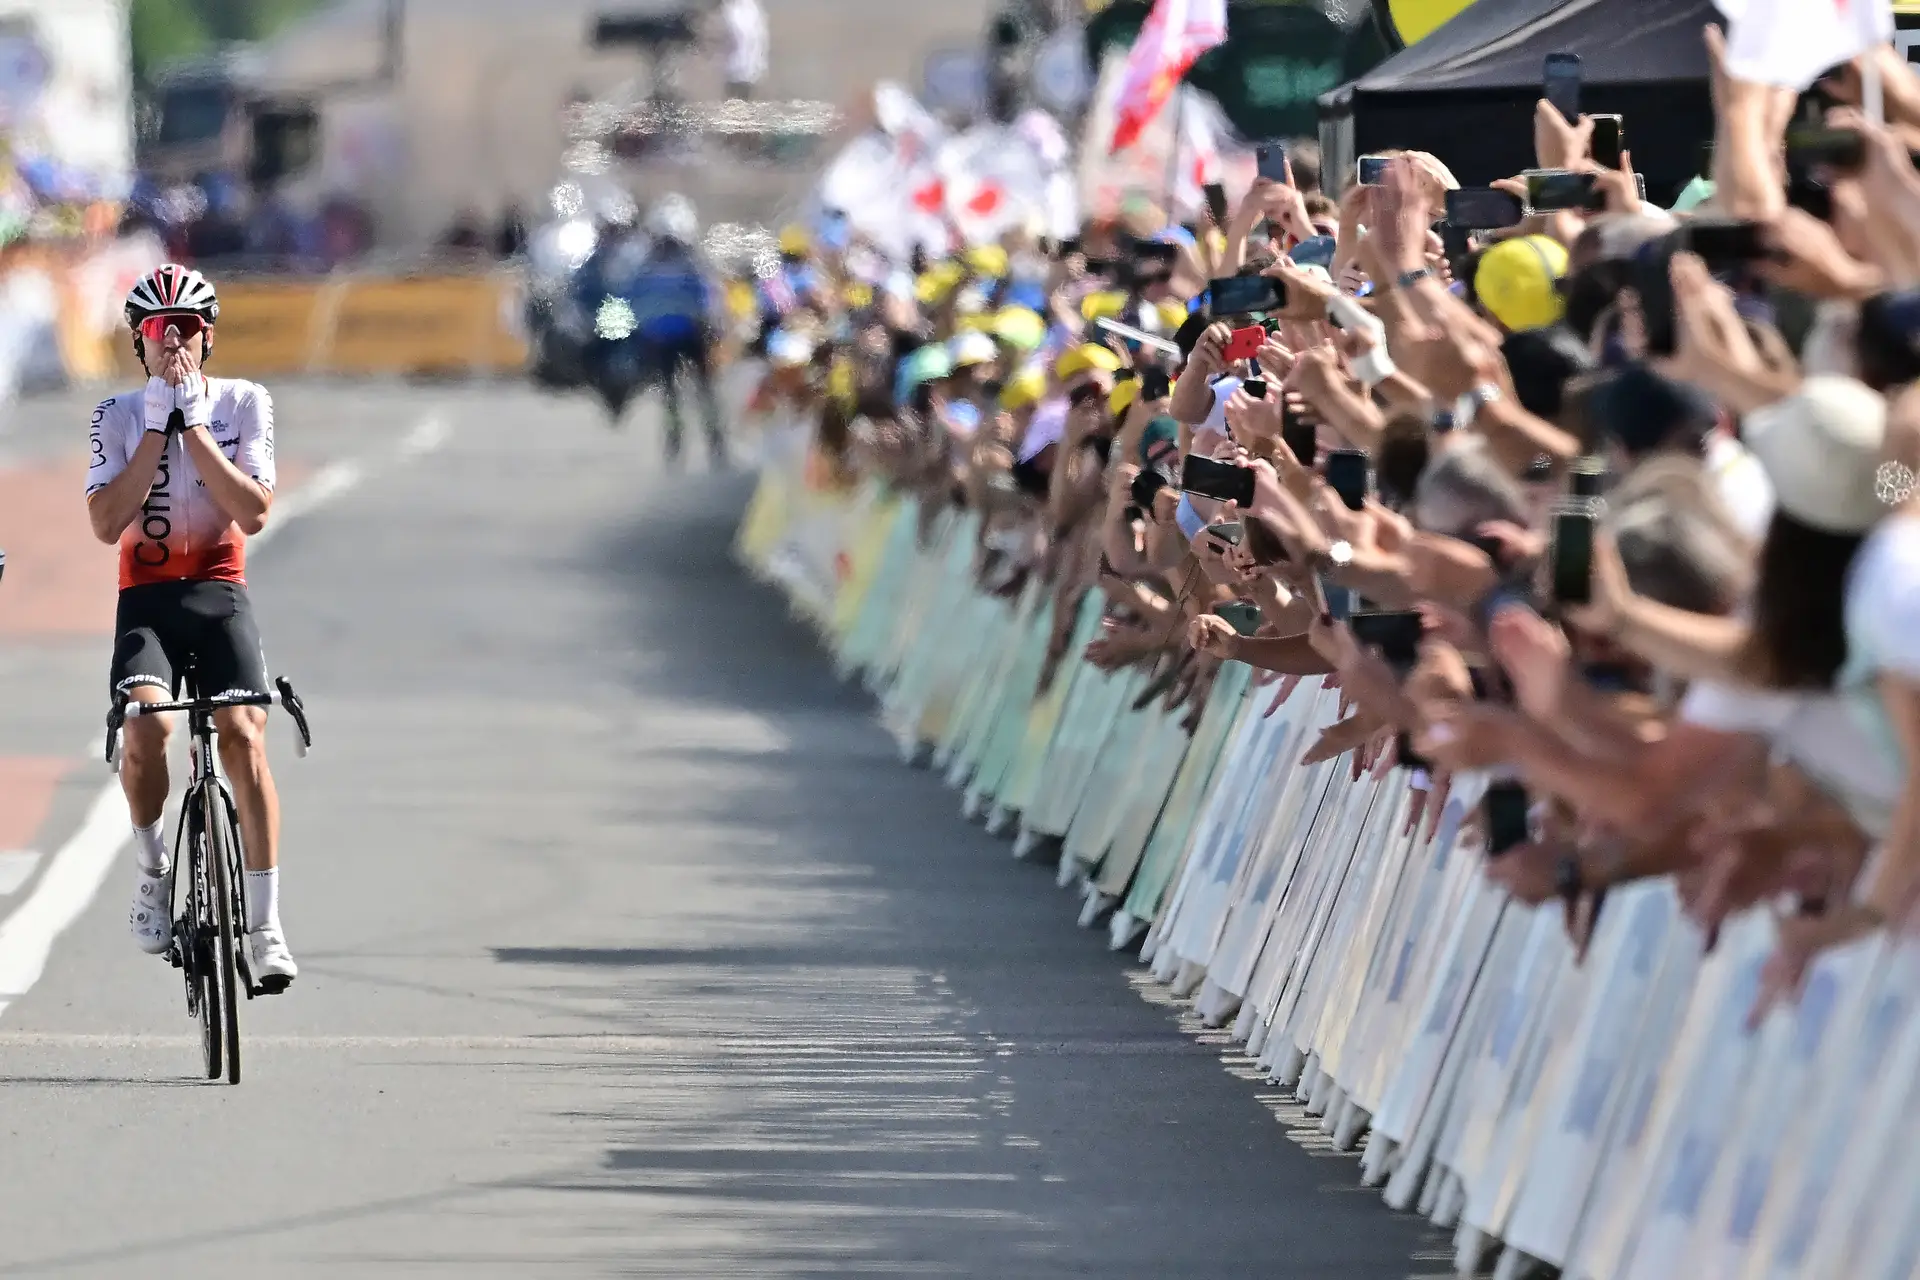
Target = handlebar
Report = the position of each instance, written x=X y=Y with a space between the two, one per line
x=283 y=697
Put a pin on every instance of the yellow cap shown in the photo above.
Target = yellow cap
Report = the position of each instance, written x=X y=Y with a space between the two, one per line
x=1086 y=356
x=859 y=295
x=1122 y=397
x=1023 y=388
x=1517 y=282
x=1173 y=315
x=795 y=240
x=840 y=383
x=937 y=281
x=742 y=302
x=988 y=260
x=1103 y=306
x=1019 y=328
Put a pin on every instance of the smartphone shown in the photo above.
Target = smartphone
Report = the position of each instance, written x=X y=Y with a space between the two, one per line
x=1609 y=140
x=1809 y=195
x=1346 y=473
x=1550 y=189
x=1227 y=531
x=1243 y=617
x=1560 y=83
x=1370 y=170
x=1842 y=150
x=1571 y=558
x=1221 y=481
x=1256 y=388
x=1242 y=295
x=1725 y=242
x=1315 y=252
x=1216 y=196
x=1300 y=436
x=1155 y=252
x=1396 y=633
x=1652 y=280
x=1154 y=383
x=1245 y=343
x=1507 y=817
x=1586 y=476
x=1271 y=159
x=1484 y=209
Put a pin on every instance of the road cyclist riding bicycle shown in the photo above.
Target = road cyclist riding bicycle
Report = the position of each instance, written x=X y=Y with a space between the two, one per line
x=182 y=473
x=677 y=313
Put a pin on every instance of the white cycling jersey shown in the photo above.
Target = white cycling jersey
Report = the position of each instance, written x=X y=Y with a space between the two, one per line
x=181 y=533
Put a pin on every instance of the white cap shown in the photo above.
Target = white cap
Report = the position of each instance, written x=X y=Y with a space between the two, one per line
x=1821 y=448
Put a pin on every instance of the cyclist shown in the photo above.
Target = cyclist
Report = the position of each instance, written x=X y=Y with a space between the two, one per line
x=182 y=473
x=675 y=309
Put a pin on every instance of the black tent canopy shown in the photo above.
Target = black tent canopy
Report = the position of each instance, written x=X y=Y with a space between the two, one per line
x=1466 y=93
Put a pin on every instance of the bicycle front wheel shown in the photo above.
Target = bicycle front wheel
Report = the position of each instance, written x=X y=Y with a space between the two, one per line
x=197 y=944
x=223 y=857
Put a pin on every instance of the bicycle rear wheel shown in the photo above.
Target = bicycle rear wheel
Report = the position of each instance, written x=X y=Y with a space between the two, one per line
x=223 y=845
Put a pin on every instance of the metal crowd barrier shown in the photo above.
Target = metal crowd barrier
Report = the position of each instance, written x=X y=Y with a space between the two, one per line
x=1611 y=1118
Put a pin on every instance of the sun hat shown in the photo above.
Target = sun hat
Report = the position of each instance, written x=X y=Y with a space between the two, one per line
x=1121 y=398
x=1019 y=328
x=1087 y=355
x=970 y=349
x=1023 y=388
x=1517 y=281
x=1821 y=448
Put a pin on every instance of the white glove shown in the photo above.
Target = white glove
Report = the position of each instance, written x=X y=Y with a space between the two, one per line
x=159 y=405
x=191 y=398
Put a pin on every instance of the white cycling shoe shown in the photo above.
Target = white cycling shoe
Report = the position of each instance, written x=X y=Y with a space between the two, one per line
x=269 y=963
x=150 y=916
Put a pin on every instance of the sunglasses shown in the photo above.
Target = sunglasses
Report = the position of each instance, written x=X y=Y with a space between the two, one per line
x=154 y=328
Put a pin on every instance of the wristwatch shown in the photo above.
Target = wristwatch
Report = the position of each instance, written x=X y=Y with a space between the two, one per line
x=1340 y=554
x=1408 y=279
x=1469 y=405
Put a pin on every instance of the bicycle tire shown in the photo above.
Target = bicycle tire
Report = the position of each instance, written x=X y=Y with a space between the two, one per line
x=222 y=843
x=203 y=992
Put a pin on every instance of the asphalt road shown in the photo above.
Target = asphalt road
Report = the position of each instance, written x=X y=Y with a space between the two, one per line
x=627 y=946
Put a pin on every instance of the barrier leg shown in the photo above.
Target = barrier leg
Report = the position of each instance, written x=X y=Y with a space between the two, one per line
x=1289 y=1068
x=1214 y=1004
x=1430 y=1192
x=1000 y=820
x=1336 y=1102
x=1124 y=932
x=1353 y=1122
x=1453 y=1199
x=1376 y=1161
x=1470 y=1250
x=1070 y=871
x=1187 y=978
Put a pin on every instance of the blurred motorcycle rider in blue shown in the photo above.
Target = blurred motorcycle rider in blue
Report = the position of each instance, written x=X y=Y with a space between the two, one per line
x=675 y=310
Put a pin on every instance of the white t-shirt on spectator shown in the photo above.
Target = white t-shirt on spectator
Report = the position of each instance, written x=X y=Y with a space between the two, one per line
x=1883 y=625
x=1817 y=732
x=1742 y=484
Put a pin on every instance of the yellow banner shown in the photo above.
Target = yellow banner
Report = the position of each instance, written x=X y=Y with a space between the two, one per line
x=364 y=325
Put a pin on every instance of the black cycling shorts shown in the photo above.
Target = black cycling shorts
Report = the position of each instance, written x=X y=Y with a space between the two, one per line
x=166 y=630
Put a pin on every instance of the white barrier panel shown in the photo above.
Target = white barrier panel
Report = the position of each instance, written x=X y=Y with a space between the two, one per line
x=1611 y=1116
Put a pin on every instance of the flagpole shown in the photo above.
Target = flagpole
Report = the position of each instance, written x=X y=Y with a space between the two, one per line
x=1173 y=152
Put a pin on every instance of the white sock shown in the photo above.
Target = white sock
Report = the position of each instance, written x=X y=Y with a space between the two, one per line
x=263 y=899
x=150 y=847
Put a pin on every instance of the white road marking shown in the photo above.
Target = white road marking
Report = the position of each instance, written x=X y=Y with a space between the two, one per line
x=15 y=866
x=77 y=868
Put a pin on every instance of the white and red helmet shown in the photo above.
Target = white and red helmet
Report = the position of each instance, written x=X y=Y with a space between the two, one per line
x=172 y=290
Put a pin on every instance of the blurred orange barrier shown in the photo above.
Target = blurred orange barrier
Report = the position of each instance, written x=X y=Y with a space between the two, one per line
x=369 y=325
x=425 y=324
x=266 y=327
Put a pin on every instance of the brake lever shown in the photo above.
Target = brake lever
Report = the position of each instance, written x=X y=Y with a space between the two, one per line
x=303 y=735
x=116 y=721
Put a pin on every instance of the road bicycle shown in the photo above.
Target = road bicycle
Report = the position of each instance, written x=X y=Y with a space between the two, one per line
x=210 y=929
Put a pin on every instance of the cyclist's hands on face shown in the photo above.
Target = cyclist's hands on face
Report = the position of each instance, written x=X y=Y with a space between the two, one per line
x=179 y=357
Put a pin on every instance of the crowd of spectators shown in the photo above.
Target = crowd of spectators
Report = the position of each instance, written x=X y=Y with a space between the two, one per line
x=1616 y=503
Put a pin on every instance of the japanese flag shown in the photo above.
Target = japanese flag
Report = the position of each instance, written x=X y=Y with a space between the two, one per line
x=1791 y=42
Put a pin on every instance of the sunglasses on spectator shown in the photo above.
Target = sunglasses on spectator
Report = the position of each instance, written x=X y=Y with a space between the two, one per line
x=154 y=328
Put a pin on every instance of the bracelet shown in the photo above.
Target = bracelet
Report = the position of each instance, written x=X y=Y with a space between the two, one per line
x=1408 y=279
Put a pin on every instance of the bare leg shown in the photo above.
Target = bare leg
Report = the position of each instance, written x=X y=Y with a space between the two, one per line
x=143 y=760
x=243 y=754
